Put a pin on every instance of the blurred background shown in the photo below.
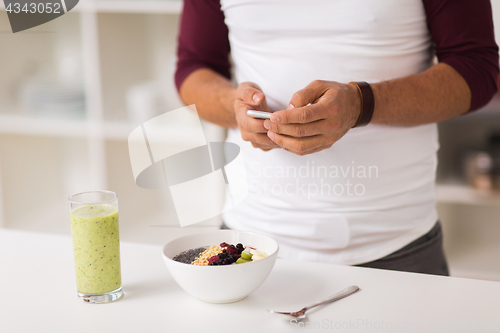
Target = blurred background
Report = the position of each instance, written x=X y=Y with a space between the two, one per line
x=72 y=90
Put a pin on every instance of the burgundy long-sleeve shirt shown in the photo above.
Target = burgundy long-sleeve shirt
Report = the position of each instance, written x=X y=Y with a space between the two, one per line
x=462 y=31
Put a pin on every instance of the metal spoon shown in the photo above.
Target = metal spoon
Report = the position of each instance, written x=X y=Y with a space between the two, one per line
x=302 y=312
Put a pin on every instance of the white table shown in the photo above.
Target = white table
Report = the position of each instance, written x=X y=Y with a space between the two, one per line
x=38 y=294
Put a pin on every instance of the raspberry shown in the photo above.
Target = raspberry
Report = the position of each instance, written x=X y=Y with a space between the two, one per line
x=213 y=259
x=231 y=250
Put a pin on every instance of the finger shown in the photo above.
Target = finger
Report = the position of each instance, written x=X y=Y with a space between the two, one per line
x=260 y=139
x=297 y=130
x=252 y=125
x=297 y=145
x=301 y=115
x=262 y=147
x=315 y=150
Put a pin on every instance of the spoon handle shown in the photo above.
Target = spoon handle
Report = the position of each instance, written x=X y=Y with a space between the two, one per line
x=341 y=294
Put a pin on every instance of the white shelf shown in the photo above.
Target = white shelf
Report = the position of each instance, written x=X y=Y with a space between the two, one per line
x=127 y=6
x=460 y=193
x=30 y=125
x=121 y=130
x=138 y=6
x=38 y=126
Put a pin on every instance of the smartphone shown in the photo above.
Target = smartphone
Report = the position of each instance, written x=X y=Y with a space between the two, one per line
x=259 y=114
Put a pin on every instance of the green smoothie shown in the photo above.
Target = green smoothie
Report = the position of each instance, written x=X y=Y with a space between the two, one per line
x=96 y=245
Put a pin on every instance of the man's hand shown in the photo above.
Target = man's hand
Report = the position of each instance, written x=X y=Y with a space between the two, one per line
x=249 y=96
x=317 y=117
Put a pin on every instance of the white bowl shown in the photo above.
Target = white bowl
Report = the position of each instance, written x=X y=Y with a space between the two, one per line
x=225 y=283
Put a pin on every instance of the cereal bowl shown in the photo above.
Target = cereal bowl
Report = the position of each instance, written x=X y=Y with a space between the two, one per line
x=225 y=283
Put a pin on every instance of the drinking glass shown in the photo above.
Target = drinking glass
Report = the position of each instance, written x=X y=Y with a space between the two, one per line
x=96 y=245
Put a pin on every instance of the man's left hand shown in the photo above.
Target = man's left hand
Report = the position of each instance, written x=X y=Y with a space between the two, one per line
x=317 y=117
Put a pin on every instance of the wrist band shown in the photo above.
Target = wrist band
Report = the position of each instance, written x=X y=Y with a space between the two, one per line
x=367 y=103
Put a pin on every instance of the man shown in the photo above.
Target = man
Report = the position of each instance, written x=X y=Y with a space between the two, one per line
x=344 y=170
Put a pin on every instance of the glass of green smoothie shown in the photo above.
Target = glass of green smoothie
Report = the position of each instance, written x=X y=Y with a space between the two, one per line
x=96 y=245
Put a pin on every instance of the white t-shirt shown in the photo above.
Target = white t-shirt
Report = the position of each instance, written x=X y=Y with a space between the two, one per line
x=373 y=191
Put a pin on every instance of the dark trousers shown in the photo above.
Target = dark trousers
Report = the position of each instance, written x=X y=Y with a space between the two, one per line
x=423 y=255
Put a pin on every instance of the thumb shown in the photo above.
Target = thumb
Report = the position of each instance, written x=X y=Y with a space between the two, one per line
x=253 y=96
x=308 y=95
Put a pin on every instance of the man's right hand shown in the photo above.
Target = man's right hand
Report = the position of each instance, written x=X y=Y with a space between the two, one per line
x=249 y=96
